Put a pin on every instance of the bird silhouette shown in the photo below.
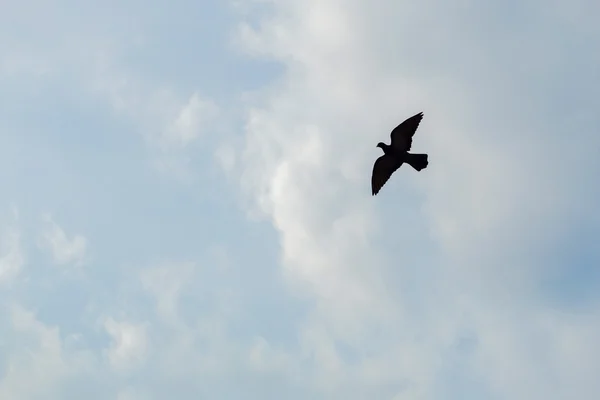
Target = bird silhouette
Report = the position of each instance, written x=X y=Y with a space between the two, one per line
x=396 y=153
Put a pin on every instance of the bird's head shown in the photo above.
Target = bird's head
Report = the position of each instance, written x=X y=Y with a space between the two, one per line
x=381 y=145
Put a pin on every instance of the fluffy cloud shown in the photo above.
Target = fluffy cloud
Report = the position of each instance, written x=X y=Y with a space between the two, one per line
x=36 y=363
x=169 y=121
x=12 y=258
x=129 y=345
x=188 y=123
x=473 y=278
x=496 y=199
x=63 y=250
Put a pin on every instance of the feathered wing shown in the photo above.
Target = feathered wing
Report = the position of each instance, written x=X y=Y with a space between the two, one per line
x=402 y=134
x=383 y=168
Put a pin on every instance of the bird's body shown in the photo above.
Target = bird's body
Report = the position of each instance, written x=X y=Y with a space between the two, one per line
x=391 y=151
x=396 y=153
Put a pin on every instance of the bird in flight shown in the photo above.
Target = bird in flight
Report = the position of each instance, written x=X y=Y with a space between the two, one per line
x=396 y=153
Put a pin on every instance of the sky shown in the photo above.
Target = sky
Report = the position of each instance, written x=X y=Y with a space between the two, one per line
x=186 y=211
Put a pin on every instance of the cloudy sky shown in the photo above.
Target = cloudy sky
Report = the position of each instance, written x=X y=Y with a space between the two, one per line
x=185 y=208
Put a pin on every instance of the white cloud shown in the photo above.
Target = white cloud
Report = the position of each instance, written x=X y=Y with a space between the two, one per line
x=488 y=204
x=36 y=361
x=11 y=256
x=190 y=120
x=64 y=250
x=168 y=120
x=433 y=289
x=129 y=345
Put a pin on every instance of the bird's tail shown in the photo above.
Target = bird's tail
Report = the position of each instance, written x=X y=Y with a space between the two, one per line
x=417 y=161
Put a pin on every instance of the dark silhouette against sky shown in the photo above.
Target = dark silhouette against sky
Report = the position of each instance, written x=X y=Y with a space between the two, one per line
x=397 y=153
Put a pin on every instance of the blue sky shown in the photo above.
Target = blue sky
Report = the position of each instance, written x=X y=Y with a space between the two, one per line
x=186 y=210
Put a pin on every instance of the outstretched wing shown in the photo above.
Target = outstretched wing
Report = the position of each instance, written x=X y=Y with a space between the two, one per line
x=403 y=133
x=383 y=168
